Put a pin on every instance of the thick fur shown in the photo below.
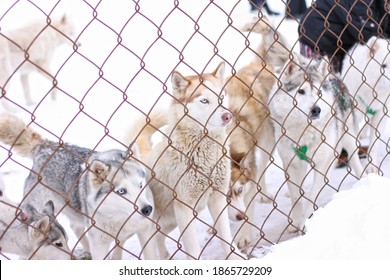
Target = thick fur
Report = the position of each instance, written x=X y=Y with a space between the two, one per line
x=251 y=135
x=366 y=73
x=192 y=171
x=30 y=234
x=31 y=49
x=312 y=123
x=102 y=193
x=273 y=49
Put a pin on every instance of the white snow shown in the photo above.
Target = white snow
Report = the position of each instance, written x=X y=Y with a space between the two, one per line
x=103 y=95
x=354 y=225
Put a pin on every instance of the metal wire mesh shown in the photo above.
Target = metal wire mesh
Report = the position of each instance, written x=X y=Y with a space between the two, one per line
x=99 y=75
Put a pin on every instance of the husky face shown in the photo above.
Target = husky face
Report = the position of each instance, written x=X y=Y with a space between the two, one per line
x=305 y=96
x=48 y=237
x=118 y=188
x=204 y=98
x=65 y=26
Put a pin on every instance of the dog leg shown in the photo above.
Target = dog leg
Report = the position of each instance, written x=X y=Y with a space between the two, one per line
x=267 y=144
x=79 y=231
x=218 y=209
x=117 y=253
x=244 y=236
x=296 y=173
x=26 y=89
x=100 y=244
x=354 y=160
x=148 y=243
x=162 y=249
x=186 y=222
x=373 y=154
x=319 y=182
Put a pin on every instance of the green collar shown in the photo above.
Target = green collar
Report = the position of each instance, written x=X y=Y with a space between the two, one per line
x=369 y=110
x=301 y=152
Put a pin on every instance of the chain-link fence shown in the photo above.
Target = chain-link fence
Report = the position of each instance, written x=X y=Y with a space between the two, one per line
x=184 y=129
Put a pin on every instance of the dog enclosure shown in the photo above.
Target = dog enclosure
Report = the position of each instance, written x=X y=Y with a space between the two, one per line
x=114 y=69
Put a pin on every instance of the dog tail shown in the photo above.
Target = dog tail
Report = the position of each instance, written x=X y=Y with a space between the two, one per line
x=274 y=49
x=15 y=133
x=144 y=128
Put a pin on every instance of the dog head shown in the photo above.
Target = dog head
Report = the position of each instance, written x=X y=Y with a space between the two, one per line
x=48 y=238
x=239 y=180
x=66 y=27
x=303 y=94
x=118 y=189
x=202 y=98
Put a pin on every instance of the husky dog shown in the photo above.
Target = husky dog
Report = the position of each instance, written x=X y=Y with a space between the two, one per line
x=102 y=193
x=193 y=170
x=273 y=48
x=312 y=122
x=31 y=48
x=30 y=234
x=251 y=135
x=366 y=73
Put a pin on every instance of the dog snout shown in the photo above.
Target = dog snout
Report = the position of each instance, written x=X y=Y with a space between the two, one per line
x=147 y=210
x=315 y=112
x=240 y=216
x=227 y=117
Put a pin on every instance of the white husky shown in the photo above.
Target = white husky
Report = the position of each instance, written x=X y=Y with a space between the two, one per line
x=366 y=73
x=310 y=126
x=31 y=49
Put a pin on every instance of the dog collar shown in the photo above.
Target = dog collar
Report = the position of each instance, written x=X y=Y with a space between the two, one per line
x=369 y=110
x=300 y=151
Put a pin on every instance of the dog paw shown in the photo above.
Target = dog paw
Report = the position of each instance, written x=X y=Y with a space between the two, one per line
x=266 y=199
x=372 y=169
x=243 y=241
x=82 y=255
x=236 y=255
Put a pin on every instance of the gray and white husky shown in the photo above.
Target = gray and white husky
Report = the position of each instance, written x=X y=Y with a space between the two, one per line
x=313 y=121
x=102 y=193
x=30 y=234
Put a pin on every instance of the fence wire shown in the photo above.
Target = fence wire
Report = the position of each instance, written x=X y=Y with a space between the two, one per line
x=231 y=123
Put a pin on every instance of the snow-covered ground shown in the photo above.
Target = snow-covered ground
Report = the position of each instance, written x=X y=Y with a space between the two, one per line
x=354 y=225
x=106 y=84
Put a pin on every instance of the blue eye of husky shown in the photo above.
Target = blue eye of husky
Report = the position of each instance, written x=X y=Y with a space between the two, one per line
x=301 y=91
x=204 y=101
x=122 y=191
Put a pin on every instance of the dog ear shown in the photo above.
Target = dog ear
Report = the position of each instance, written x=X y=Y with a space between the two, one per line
x=63 y=19
x=372 y=44
x=323 y=66
x=179 y=82
x=135 y=151
x=99 y=172
x=49 y=208
x=219 y=73
x=292 y=66
x=42 y=226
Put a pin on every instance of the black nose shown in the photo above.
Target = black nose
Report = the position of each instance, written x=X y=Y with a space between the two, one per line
x=147 y=210
x=315 y=112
